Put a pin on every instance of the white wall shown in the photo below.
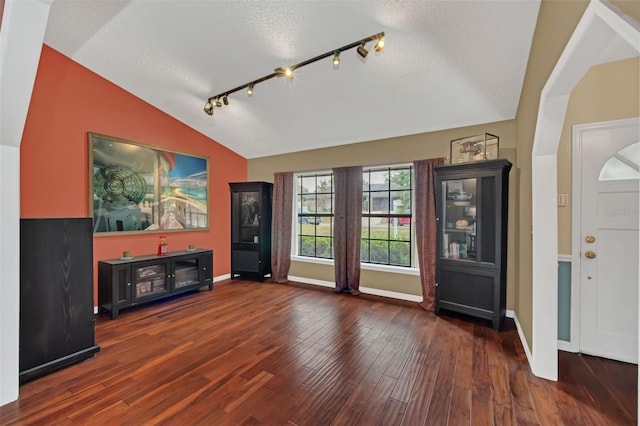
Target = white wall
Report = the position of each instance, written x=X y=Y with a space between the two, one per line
x=21 y=35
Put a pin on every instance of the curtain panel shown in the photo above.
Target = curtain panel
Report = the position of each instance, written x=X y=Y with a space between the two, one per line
x=281 y=226
x=347 y=228
x=426 y=229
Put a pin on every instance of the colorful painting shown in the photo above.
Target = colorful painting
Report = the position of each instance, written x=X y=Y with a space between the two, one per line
x=136 y=188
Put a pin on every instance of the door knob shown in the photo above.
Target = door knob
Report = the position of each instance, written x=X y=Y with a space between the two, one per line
x=590 y=254
x=590 y=239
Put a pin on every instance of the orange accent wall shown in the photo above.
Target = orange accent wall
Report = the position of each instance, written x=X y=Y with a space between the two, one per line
x=68 y=101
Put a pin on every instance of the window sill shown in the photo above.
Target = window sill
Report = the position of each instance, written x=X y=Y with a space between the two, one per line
x=364 y=266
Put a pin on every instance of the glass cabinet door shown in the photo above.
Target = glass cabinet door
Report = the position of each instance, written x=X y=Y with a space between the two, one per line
x=459 y=230
x=248 y=229
x=469 y=221
x=150 y=280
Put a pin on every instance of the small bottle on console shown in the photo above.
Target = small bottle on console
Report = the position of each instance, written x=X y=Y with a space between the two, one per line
x=162 y=246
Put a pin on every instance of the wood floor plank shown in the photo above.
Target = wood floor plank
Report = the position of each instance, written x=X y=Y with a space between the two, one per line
x=251 y=353
x=378 y=400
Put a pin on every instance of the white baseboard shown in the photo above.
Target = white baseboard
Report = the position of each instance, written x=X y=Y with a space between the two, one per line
x=523 y=340
x=313 y=281
x=221 y=278
x=365 y=290
x=566 y=346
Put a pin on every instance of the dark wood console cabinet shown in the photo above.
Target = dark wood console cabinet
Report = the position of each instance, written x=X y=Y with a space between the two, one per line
x=56 y=294
x=251 y=229
x=471 y=255
x=128 y=282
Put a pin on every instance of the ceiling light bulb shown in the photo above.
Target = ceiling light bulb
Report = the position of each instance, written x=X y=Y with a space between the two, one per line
x=336 y=59
x=288 y=72
x=379 y=45
x=250 y=90
x=208 y=108
x=225 y=100
x=362 y=51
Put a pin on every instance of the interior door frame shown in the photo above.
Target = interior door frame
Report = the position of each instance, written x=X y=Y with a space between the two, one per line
x=604 y=34
x=577 y=134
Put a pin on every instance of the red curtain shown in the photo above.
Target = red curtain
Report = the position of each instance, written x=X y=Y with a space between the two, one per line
x=426 y=229
x=347 y=228
x=281 y=226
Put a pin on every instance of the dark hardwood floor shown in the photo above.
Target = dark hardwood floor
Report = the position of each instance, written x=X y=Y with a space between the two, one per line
x=271 y=354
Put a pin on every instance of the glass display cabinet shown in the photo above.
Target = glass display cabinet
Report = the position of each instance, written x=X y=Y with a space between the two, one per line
x=251 y=229
x=471 y=255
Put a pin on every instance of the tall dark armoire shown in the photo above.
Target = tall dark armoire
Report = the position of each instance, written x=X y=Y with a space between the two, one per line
x=251 y=229
x=56 y=294
x=472 y=203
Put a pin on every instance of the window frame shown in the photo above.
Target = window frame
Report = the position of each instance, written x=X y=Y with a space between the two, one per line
x=388 y=216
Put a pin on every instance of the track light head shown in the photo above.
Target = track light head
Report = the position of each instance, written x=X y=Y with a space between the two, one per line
x=379 y=47
x=288 y=72
x=336 y=59
x=362 y=51
x=284 y=72
x=217 y=103
x=208 y=108
x=250 y=90
x=225 y=100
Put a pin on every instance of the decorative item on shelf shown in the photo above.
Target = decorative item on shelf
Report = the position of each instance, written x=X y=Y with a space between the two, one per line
x=462 y=224
x=126 y=255
x=474 y=148
x=163 y=248
x=449 y=223
x=191 y=247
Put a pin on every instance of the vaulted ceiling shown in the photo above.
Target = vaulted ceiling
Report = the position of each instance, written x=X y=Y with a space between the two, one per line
x=446 y=64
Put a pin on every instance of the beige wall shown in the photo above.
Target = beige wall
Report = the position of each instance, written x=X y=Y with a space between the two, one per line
x=606 y=92
x=556 y=22
x=397 y=150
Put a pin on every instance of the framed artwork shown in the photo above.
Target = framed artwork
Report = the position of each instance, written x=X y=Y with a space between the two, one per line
x=137 y=188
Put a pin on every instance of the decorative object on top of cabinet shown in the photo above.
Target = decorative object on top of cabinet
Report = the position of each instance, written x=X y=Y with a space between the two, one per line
x=251 y=229
x=474 y=148
x=471 y=245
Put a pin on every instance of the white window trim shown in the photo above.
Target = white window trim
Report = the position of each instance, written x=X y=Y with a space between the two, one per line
x=414 y=269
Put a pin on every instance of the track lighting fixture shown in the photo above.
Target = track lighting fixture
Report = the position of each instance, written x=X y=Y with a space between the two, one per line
x=288 y=72
x=379 y=47
x=284 y=72
x=208 y=108
x=362 y=51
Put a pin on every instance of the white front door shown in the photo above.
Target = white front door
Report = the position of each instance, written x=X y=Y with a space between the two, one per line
x=608 y=249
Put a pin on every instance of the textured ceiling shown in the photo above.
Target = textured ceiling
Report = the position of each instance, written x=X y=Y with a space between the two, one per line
x=446 y=64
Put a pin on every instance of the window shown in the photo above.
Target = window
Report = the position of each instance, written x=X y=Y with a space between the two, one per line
x=314 y=224
x=387 y=216
x=387 y=220
x=624 y=164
